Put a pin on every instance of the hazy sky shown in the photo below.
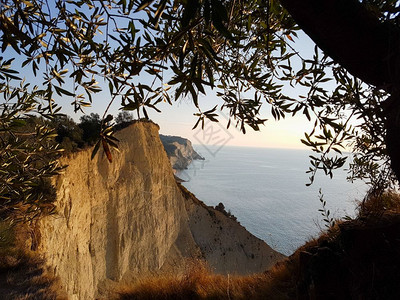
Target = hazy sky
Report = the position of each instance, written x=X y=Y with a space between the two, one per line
x=179 y=119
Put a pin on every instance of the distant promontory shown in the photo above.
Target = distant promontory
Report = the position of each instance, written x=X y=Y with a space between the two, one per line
x=180 y=151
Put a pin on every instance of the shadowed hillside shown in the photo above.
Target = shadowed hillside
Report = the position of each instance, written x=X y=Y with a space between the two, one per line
x=23 y=273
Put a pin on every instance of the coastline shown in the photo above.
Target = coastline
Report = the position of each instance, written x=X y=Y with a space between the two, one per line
x=265 y=189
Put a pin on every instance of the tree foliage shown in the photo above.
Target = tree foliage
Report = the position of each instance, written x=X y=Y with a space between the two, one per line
x=28 y=158
x=90 y=125
x=123 y=117
x=243 y=50
x=69 y=134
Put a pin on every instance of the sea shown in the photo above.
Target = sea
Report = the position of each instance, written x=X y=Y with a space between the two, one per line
x=266 y=190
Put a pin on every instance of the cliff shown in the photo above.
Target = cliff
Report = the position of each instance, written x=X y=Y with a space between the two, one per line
x=122 y=220
x=179 y=150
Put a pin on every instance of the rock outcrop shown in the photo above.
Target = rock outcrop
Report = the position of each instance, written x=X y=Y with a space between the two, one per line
x=180 y=151
x=130 y=217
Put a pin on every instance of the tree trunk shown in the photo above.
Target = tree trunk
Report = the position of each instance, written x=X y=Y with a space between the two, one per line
x=368 y=48
x=352 y=36
x=392 y=125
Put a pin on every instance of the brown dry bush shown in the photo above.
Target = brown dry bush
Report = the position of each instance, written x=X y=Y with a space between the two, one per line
x=198 y=282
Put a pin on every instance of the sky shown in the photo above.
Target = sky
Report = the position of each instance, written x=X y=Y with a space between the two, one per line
x=178 y=119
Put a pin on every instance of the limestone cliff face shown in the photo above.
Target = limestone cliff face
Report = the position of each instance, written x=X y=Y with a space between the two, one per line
x=130 y=217
x=179 y=150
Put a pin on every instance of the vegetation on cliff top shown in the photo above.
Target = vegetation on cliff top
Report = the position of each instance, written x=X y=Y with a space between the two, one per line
x=30 y=148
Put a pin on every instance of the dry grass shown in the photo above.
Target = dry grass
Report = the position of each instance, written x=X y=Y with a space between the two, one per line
x=379 y=203
x=354 y=259
x=199 y=283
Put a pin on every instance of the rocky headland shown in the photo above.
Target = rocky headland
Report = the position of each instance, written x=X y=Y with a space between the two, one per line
x=180 y=151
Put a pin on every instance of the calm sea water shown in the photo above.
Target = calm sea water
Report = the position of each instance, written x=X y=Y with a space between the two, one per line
x=266 y=190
